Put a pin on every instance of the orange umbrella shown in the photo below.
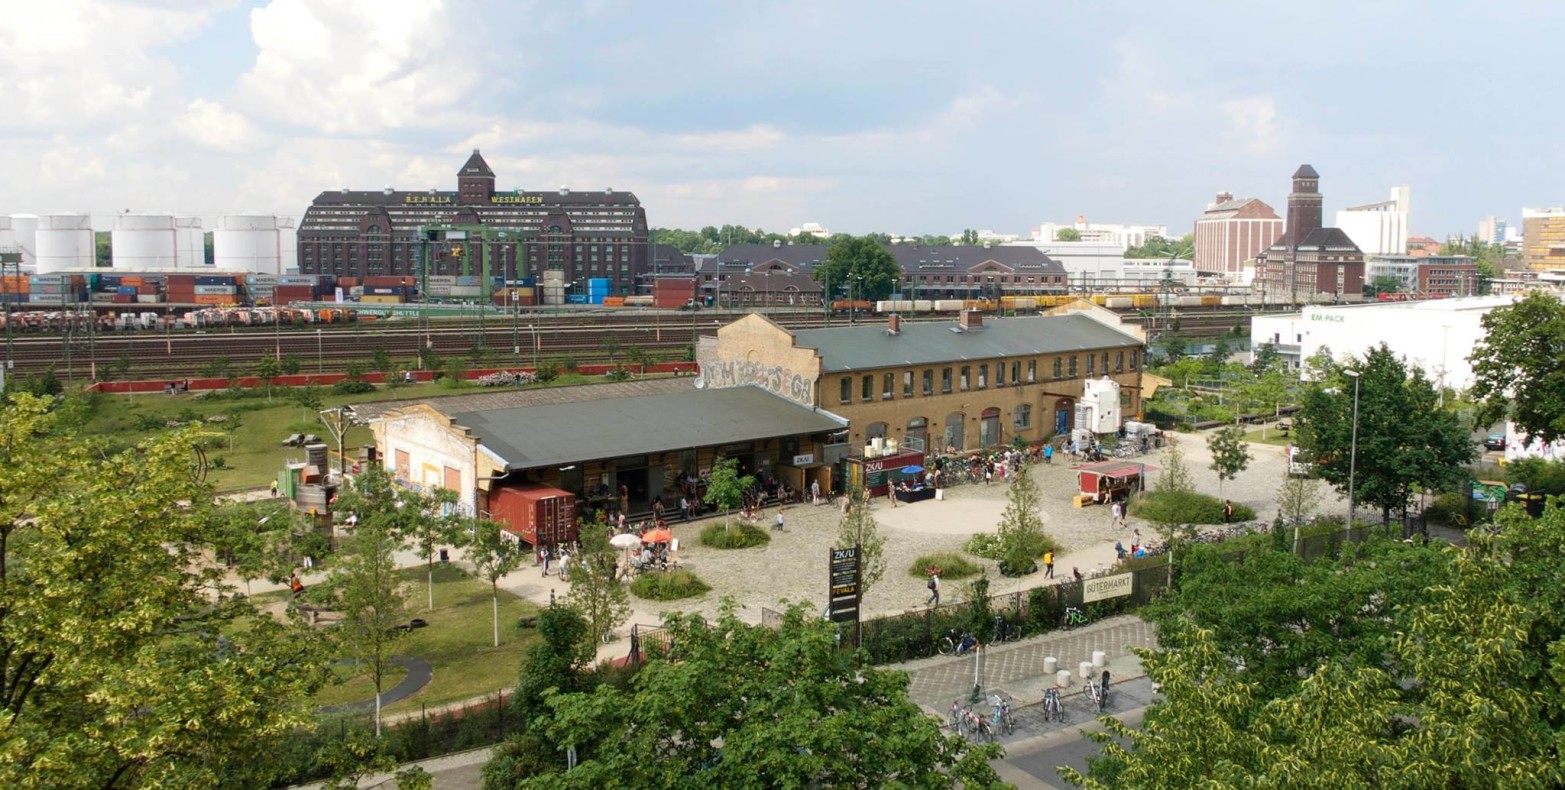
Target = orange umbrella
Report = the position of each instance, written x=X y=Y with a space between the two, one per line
x=657 y=536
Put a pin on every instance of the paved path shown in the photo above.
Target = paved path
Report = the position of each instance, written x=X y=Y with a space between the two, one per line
x=419 y=675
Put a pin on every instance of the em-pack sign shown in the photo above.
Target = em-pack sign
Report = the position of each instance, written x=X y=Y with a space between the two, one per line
x=1103 y=588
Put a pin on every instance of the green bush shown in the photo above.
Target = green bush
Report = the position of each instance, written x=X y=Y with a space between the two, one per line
x=1185 y=507
x=990 y=547
x=1540 y=476
x=547 y=372
x=950 y=564
x=669 y=586
x=352 y=387
x=738 y=536
x=1452 y=510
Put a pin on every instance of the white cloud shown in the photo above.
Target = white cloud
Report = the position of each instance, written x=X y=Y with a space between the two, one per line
x=215 y=126
x=1254 y=122
x=357 y=66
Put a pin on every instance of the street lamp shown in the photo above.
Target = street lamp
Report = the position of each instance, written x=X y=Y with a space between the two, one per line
x=1353 y=447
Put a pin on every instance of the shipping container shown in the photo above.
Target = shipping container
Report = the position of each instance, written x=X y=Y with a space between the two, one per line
x=613 y=301
x=391 y=281
x=216 y=290
x=637 y=301
x=539 y=515
x=380 y=299
x=149 y=298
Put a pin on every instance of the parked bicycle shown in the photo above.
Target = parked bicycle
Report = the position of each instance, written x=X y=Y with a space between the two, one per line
x=958 y=716
x=1053 y=708
x=1073 y=617
x=978 y=727
x=956 y=643
x=1099 y=694
x=1005 y=630
x=1004 y=724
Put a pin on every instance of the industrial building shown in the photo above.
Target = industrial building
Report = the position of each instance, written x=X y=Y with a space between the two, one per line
x=1379 y=228
x=1543 y=238
x=1435 y=334
x=1430 y=275
x=1232 y=233
x=484 y=231
x=1310 y=263
x=963 y=384
x=587 y=442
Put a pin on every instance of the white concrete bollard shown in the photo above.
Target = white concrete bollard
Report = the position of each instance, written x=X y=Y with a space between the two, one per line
x=1062 y=678
x=1084 y=669
x=1099 y=659
x=1051 y=665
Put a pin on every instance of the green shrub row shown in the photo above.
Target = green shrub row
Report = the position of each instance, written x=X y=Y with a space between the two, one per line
x=950 y=564
x=670 y=586
x=1185 y=507
x=736 y=536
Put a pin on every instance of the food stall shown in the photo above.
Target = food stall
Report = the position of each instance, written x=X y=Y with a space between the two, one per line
x=1107 y=481
x=879 y=473
x=910 y=485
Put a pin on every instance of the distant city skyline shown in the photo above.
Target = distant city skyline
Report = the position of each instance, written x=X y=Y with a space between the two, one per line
x=875 y=116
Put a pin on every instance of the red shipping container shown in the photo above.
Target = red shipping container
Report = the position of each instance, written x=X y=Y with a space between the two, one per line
x=143 y=289
x=537 y=514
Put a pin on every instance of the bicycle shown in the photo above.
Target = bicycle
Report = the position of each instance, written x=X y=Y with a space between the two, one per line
x=978 y=727
x=1004 y=724
x=1099 y=694
x=1005 y=630
x=1053 y=709
x=956 y=643
x=958 y=718
x=1073 y=617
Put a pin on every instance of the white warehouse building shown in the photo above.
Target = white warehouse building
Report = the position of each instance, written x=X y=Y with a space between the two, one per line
x=1436 y=334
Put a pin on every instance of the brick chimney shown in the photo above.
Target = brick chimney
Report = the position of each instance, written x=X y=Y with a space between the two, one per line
x=970 y=320
x=893 y=324
x=1224 y=197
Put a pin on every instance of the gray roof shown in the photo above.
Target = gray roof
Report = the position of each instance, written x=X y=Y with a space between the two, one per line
x=530 y=437
x=938 y=342
x=1305 y=171
x=1328 y=239
x=960 y=258
x=506 y=398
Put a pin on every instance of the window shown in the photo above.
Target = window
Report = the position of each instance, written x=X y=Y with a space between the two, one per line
x=1057 y=373
x=945 y=380
x=907 y=383
x=1092 y=360
x=886 y=384
x=1023 y=416
x=1119 y=362
x=868 y=388
x=847 y=390
x=983 y=376
x=999 y=374
x=1073 y=366
x=1032 y=370
x=1105 y=363
x=1133 y=359
x=1016 y=372
x=929 y=381
x=967 y=375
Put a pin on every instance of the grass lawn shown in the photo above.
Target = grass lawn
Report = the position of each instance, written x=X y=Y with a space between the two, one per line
x=458 y=641
x=354 y=684
x=1272 y=436
x=253 y=454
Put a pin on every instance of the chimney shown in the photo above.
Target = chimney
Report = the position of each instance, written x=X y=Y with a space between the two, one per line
x=893 y=324
x=1224 y=197
x=970 y=321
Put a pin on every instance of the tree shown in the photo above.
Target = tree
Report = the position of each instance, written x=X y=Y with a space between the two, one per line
x=289 y=365
x=725 y=488
x=429 y=522
x=372 y=594
x=1022 y=539
x=494 y=555
x=859 y=528
x=596 y=590
x=1159 y=247
x=749 y=706
x=1230 y=455
x=1519 y=367
x=266 y=369
x=867 y=266
x=1382 y=284
x=1406 y=442
x=1067 y=234
x=1175 y=476
x=118 y=666
x=1297 y=500
x=381 y=362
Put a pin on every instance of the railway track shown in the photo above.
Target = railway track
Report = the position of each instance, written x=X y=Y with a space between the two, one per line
x=489 y=343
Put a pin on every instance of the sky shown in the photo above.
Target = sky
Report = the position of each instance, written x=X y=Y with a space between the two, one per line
x=899 y=116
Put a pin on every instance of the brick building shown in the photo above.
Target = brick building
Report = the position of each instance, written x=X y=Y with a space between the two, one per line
x=1432 y=275
x=1310 y=263
x=1232 y=232
x=600 y=234
x=965 y=384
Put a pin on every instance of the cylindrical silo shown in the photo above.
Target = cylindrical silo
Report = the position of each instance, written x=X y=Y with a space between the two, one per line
x=64 y=241
x=144 y=241
x=247 y=241
x=24 y=234
x=288 y=234
x=190 y=243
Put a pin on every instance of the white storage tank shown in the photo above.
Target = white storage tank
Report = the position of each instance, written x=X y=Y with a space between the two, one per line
x=64 y=241
x=144 y=241
x=20 y=232
x=288 y=235
x=248 y=241
x=190 y=243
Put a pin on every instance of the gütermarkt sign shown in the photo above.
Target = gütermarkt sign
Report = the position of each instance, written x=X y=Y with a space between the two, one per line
x=1104 y=587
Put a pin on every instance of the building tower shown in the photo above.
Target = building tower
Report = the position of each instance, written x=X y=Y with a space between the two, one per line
x=1304 y=205
x=475 y=182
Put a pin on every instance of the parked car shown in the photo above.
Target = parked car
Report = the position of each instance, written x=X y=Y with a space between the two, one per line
x=1495 y=441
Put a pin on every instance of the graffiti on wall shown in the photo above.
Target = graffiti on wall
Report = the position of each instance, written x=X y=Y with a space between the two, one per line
x=724 y=373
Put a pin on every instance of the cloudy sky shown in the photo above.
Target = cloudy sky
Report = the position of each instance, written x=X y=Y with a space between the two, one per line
x=895 y=116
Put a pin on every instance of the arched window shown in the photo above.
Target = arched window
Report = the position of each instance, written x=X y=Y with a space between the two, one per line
x=953 y=431
x=989 y=428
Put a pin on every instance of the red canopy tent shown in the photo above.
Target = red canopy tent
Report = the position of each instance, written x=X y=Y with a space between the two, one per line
x=1105 y=481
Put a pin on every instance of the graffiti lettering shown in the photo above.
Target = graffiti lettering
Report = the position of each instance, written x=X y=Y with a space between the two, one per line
x=721 y=374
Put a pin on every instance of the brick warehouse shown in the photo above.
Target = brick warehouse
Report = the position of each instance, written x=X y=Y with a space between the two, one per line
x=594 y=234
x=965 y=384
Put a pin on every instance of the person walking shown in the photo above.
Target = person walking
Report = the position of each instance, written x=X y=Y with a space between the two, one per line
x=1048 y=564
x=779 y=524
x=1228 y=511
x=1114 y=514
x=274 y=489
x=547 y=554
x=934 y=587
x=1048 y=454
x=815 y=492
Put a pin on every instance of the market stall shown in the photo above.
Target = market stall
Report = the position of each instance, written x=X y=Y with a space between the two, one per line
x=877 y=474
x=1108 y=481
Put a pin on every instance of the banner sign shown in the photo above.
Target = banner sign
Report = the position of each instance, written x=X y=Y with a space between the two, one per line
x=1105 y=587
x=843 y=596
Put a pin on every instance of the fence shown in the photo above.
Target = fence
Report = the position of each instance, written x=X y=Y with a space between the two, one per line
x=914 y=635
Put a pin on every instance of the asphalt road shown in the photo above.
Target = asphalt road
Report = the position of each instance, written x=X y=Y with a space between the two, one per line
x=1034 y=762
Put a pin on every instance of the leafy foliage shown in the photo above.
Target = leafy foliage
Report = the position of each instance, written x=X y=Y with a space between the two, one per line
x=950 y=564
x=493 y=554
x=737 y=536
x=858 y=527
x=1406 y=442
x=864 y=263
x=1519 y=366
x=1022 y=539
x=1185 y=507
x=1230 y=455
x=670 y=586
x=1175 y=476
x=726 y=487
x=596 y=591
x=746 y=706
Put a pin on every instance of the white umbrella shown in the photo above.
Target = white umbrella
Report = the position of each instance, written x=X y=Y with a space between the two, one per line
x=626 y=541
